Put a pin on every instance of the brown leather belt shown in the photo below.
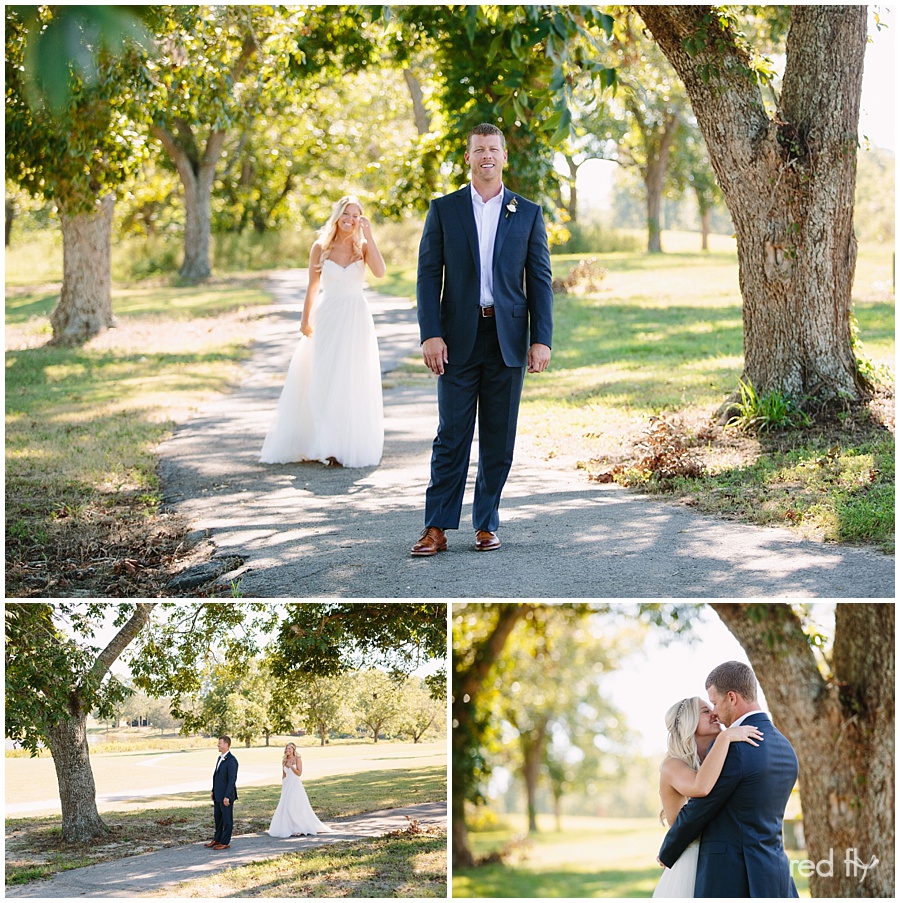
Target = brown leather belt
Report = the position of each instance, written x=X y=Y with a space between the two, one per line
x=487 y=311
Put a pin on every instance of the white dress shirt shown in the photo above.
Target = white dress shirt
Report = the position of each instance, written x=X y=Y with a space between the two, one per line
x=747 y=715
x=487 y=217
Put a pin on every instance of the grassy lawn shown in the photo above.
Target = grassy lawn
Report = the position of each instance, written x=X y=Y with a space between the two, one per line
x=82 y=493
x=589 y=857
x=404 y=864
x=34 y=848
x=662 y=337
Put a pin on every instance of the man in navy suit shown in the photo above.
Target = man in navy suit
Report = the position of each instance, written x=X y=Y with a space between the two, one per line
x=224 y=793
x=485 y=308
x=741 y=848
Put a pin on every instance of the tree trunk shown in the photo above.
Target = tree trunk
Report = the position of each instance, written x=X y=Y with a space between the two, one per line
x=572 y=208
x=532 y=754
x=467 y=681
x=81 y=821
x=67 y=739
x=10 y=217
x=655 y=179
x=85 y=302
x=420 y=112
x=705 y=222
x=789 y=184
x=197 y=178
x=842 y=730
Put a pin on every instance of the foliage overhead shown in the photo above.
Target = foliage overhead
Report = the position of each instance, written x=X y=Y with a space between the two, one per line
x=329 y=638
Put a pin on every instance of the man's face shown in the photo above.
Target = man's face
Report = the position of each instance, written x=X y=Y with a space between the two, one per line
x=722 y=706
x=486 y=157
x=223 y=747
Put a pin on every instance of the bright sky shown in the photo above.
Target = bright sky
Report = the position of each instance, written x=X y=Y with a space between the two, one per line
x=651 y=681
x=876 y=122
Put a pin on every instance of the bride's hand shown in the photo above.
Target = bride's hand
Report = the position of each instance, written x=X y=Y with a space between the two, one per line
x=365 y=226
x=744 y=733
x=305 y=328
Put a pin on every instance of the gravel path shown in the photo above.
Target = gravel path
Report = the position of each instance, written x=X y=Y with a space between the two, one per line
x=305 y=530
x=152 y=872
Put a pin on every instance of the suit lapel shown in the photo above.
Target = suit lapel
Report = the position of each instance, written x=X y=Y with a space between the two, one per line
x=463 y=199
x=502 y=226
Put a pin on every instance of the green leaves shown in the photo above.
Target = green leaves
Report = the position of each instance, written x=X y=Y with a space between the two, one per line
x=66 y=50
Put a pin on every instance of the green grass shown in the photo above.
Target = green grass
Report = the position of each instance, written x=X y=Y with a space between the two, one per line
x=174 y=819
x=83 y=423
x=408 y=865
x=610 y=858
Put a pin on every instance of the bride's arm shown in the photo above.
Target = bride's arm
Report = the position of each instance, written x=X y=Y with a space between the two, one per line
x=371 y=253
x=312 y=288
x=298 y=766
x=692 y=783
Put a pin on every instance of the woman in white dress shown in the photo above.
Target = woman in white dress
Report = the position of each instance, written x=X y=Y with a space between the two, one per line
x=695 y=754
x=331 y=407
x=294 y=815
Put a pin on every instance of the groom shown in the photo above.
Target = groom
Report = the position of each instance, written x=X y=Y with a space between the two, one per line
x=741 y=850
x=224 y=793
x=485 y=308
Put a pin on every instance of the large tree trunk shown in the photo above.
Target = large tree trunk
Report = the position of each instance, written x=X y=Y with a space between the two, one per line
x=842 y=730
x=789 y=184
x=67 y=740
x=465 y=742
x=85 y=302
x=81 y=821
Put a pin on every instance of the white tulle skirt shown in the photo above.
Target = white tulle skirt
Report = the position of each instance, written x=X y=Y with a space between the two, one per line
x=678 y=881
x=294 y=814
x=331 y=405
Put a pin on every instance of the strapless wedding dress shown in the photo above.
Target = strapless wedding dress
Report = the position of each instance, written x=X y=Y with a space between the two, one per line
x=331 y=405
x=294 y=815
x=678 y=881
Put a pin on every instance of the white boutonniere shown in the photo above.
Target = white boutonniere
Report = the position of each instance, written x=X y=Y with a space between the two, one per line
x=512 y=206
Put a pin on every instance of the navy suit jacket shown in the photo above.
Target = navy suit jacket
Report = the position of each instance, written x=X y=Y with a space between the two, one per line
x=225 y=780
x=449 y=277
x=741 y=848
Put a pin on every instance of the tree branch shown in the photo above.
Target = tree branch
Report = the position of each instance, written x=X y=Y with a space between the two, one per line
x=120 y=641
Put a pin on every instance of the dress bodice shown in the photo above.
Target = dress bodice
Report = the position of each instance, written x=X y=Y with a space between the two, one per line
x=339 y=280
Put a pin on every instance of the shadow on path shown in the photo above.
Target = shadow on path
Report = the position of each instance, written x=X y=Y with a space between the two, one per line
x=305 y=530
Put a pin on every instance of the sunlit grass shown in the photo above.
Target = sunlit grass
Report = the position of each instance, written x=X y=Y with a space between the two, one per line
x=589 y=857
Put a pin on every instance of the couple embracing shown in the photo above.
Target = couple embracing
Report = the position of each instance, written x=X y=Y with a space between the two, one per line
x=724 y=793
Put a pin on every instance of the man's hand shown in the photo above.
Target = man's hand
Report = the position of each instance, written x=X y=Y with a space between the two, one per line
x=538 y=358
x=661 y=863
x=434 y=353
x=226 y=802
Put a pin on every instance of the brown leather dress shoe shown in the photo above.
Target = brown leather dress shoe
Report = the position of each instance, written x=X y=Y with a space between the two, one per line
x=486 y=542
x=433 y=540
x=212 y=843
x=222 y=846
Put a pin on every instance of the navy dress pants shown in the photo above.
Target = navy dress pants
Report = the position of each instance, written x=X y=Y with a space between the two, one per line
x=482 y=387
x=224 y=821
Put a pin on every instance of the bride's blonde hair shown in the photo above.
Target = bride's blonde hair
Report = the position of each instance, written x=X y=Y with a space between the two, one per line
x=681 y=724
x=328 y=232
x=285 y=757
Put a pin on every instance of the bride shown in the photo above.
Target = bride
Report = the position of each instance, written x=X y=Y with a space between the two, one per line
x=294 y=815
x=695 y=754
x=331 y=409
